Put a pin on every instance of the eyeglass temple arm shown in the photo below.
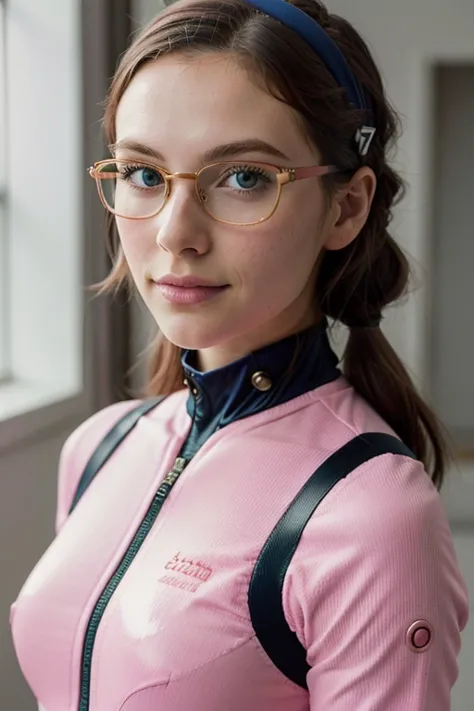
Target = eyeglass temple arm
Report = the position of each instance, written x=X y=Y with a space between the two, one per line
x=94 y=173
x=292 y=174
x=314 y=171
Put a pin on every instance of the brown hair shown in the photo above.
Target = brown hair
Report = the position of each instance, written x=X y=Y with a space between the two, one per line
x=354 y=284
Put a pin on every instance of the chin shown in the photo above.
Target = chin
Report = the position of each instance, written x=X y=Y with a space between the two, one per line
x=191 y=337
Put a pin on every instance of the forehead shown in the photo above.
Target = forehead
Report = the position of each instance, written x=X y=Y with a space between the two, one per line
x=182 y=106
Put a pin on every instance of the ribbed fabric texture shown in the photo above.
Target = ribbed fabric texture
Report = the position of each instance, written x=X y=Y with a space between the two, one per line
x=376 y=557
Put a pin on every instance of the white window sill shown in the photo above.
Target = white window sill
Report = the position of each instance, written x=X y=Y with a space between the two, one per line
x=28 y=409
x=19 y=397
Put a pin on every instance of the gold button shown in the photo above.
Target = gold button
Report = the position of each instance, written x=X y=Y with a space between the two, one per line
x=195 y=391
x=185 y=382
x=261 y=381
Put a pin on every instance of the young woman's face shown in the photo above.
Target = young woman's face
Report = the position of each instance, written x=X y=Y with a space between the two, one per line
x=182 y=108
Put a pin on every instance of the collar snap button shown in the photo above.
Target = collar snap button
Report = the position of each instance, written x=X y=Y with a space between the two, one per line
x=261 y=381
x=189 y=383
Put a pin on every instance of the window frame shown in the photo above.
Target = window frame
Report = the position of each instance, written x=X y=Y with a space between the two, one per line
x=105 y=31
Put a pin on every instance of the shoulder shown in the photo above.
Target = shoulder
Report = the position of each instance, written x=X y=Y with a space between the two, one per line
x=79 y=447
x=389 y=494
x=389 y=491
x=375 y=563
x=383 y=528
x=347 y=414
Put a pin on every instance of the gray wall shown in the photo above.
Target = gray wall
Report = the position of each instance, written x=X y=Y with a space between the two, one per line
x=453 y=250
x=451 y=349
x=27 y=511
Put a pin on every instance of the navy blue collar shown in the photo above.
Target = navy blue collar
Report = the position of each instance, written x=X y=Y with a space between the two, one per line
x=267 y=377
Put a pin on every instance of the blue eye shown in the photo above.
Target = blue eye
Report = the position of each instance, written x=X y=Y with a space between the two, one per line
x=246 y=179
x=144 y=178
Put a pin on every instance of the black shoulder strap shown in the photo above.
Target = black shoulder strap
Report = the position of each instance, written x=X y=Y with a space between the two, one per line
x=109 y=444
x=266 y=586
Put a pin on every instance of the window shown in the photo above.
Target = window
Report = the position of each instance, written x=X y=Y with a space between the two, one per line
x=41 y=230
x=66 y=352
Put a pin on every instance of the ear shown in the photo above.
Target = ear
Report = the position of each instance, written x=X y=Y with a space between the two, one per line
x=351 y=209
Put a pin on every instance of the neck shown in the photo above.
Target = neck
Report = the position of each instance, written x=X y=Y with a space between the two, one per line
x=209 y=359
x=262 y=379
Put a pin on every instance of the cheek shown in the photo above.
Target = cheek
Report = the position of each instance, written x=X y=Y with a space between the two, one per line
x=281 y=262
x=137 y=245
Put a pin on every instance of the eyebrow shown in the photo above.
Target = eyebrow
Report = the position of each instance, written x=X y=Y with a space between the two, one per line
x=226 y=150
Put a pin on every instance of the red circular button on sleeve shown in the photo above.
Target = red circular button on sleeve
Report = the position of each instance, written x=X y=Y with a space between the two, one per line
x=419 y=637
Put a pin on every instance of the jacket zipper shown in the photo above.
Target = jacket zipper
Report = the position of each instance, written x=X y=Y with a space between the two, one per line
x=99 y=609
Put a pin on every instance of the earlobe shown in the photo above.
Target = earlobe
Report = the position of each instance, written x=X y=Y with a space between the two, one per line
x=339 y=239
x=351 y=210
x=341 y=232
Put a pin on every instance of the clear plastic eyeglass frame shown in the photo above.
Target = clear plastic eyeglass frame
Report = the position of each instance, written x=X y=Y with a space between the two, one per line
x=284 y=176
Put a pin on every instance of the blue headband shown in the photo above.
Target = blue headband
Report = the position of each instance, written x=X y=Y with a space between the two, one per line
x=327 y=50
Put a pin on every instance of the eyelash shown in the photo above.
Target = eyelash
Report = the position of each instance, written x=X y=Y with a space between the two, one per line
x=235 y=169
x=128 y=170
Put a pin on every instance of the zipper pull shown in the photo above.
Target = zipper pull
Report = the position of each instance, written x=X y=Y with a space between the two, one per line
x=176 y=471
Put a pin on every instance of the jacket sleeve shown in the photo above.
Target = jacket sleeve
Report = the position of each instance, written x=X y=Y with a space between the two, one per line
x=374 y=593
x=77 y=450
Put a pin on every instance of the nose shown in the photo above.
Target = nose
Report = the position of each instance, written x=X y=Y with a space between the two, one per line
x=182 y=223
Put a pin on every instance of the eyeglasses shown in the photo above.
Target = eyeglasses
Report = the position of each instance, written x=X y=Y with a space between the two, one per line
x=236 y=193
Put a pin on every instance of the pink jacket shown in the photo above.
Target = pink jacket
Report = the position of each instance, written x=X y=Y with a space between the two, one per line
x=373 y=591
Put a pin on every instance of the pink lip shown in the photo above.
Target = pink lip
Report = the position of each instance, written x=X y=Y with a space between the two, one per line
x=185 y=281
x=189 y=295
x=188 y=289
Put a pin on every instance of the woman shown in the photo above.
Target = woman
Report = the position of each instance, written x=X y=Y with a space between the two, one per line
x=249 y=185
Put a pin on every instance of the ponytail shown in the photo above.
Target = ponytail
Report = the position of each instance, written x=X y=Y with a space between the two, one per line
x=354 y=286
x=376 y=372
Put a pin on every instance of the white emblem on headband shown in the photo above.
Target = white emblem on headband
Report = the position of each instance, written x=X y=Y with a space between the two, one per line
x=364 y=138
